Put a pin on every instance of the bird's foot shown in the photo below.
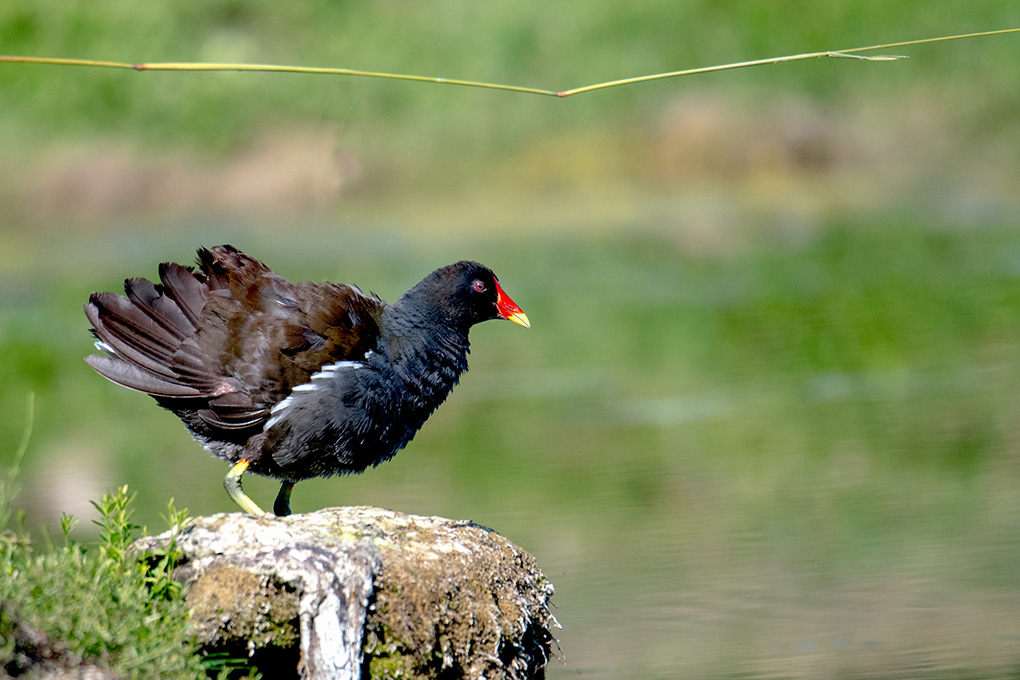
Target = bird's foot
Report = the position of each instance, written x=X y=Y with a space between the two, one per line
x=232 y=483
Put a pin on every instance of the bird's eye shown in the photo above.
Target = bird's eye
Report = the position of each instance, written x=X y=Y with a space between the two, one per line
x=478 y=286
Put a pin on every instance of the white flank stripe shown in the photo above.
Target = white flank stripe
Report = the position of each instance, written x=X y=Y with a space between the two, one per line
x=326 y=372
x=282 y=405
x=330 y=370
x=277 y=412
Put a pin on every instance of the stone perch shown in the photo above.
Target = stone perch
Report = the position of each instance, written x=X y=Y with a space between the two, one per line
x=358 y=592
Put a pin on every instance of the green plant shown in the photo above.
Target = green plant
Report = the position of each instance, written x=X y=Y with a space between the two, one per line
x=106 y=605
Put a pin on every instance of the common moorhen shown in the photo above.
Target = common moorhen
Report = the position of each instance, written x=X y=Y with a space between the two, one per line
x=292 y=381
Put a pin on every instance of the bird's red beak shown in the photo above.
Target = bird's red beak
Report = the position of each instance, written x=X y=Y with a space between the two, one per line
x=508 y=309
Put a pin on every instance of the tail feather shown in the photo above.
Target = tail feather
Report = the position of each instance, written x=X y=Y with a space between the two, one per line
x=134 y=378
x=130 y=324
x=233 y=411
x=147 y=297
x=191 y=369
x=182 y=286
x=189 y=359
x=117 y=336
x=150 y=336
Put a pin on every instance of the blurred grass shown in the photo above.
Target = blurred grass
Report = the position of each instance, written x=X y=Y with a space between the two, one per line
x=567 y=45
x=764 y=422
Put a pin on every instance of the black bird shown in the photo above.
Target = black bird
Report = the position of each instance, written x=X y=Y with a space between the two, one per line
x=292 y=381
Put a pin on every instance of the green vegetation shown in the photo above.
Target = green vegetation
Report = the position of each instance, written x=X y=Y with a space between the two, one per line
x=765 y=420
x=106 y=605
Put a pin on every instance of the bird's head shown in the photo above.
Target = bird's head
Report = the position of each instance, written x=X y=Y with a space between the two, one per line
x=466 y=293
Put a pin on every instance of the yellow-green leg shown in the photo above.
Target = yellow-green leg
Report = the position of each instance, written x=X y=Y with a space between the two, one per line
x=232 y=483
x=281 y=507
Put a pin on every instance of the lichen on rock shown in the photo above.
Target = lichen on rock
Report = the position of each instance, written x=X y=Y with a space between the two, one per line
x=363 y=592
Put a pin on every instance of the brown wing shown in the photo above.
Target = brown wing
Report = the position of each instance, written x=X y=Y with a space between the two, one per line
x=229 y=340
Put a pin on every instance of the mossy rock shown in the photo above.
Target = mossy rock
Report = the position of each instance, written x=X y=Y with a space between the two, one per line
x=364 y=592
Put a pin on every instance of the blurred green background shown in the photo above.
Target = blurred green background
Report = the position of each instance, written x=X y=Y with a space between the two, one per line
x=765 y=423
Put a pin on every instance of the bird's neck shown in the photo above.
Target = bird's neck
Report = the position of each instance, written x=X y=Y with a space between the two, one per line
x=428 y=358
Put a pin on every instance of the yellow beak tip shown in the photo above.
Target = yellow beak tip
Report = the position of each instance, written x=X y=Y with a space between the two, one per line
x=520 y=318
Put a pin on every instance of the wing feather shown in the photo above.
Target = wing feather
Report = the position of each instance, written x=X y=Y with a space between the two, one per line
x=229 y=340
